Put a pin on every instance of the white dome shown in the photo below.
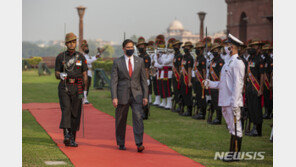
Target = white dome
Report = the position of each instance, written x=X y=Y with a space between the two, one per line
x=176 y=25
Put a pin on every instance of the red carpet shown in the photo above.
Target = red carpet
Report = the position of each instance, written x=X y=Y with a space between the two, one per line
x=98 y=147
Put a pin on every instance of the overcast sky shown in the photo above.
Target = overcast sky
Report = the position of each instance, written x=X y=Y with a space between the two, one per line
x=108 y=19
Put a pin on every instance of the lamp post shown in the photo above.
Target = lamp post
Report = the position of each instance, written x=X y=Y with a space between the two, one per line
x=202 y=16
x=81 y=11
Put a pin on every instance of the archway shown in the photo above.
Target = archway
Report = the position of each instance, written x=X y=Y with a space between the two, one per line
x=243 y=27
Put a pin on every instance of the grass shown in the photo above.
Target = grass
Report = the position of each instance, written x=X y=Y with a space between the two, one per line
x=194 y=139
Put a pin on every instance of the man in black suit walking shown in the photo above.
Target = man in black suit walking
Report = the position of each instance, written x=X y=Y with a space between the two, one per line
x=129 y=88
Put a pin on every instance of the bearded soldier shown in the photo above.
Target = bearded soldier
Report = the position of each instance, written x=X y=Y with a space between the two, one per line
x=214 y=75
x=177 y=74
x=186 y=85
x=200 y=75
x=71 y=69
x=141 y=46
x=254 y=88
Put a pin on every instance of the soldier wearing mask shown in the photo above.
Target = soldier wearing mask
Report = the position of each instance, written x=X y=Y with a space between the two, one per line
x=186 y=85
x=267 y=92
x=254 y=88
x=141 y=46
x=200 y=75
x=177 y=75
x=71 y=70
x=214 y=75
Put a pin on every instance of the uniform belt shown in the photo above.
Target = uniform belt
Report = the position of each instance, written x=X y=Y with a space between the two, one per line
x=72 y=80
x=167 y=68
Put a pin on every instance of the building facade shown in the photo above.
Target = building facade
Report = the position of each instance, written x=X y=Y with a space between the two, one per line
x=250 y=19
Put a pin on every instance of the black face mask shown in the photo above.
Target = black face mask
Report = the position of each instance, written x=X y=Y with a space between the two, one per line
x=215 y=54
x=141 y=50
x=266 y=54
x=252 y=51
x=129 y=52
x=176 y=49
x=86 y=51
x=186 y=50
x=197 y=52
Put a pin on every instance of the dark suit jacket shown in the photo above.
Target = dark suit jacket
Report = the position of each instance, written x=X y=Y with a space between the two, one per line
x=122 y=84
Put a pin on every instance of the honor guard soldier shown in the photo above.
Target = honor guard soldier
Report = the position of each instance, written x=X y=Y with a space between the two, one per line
x=208 y=55
x=156 y=72
x=254 y=88
x=214 y=75
x=177 y=75
x=151 y=53
x=186 y=85
x=161 y=53
x=141 y=46
x=71 y=69
x=200 y=75
x=167 y=61
x=267 y=92
x=230 y=96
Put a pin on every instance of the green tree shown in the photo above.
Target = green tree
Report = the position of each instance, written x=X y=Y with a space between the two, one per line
x=109 y=51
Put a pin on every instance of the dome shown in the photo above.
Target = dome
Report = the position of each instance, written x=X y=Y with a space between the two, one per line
x=176 y=25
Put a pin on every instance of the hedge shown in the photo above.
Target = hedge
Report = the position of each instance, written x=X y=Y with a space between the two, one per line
x=105 y=65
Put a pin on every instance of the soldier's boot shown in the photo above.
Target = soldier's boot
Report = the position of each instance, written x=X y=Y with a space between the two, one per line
x=254 y=131
x=182 y=106
x=228 y=157
x=234 y=155
x=169 y=103
x=66 y=136
x=248 y=127
x=157 y=101
x=73 y=138
x=217 y=120
x=196 y=113
x=259 y=129
x=163 y=103
x=209 y=121
x=188 y=112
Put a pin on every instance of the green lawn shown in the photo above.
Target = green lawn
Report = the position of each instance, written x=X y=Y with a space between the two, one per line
x=192 y=138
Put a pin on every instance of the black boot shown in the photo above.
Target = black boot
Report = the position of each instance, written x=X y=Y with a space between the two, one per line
x=259 y=129
x=248 y=127
x=217 y=121
x=266 y=115
x=210 y=116
x=229 y=156
x=254 y=131
x=67 y=136
x=181 y=109
x=174 y=105
x=188 y=112
x=72 y=139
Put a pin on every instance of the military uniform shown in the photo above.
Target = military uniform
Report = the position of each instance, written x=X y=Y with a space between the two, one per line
x=214 y=75
x=255 y=69
x=186 y=90
x=200 y=70
x=70 y=91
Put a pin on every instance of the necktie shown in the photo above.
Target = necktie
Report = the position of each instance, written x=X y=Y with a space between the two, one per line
x=130 y=69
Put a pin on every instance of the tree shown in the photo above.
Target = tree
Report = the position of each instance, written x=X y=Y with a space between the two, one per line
x=109 y=51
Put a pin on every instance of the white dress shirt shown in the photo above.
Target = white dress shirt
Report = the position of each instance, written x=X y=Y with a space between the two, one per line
x=127 y=59
x=89 y=61
x=231 y=83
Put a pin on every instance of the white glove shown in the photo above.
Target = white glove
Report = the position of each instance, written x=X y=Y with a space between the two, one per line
x=85 y=94
x=206 y=83
x=63 y=75
x=148 y=82
x=236 y=111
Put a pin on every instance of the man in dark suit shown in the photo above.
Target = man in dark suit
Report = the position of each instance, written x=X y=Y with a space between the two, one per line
x=129 y=88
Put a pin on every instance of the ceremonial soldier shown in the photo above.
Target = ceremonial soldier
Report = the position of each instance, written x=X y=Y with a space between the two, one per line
x=186 y=85
x=71 y=69
x=209 y=56
x=230 y=96
x=141 y=46
x=161 y=53
x=150 y=52
x=214 y=75
x=166 y=61
x=177 y=76
x=268 y=65
x=200 y=75
x=254 y=88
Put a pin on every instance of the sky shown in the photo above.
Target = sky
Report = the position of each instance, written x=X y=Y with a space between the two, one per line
x=109 y=19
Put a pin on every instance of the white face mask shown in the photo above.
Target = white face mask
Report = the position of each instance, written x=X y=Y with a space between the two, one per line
x=227 y=50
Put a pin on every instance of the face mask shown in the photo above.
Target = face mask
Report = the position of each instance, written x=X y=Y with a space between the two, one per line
x=176 y=49
x=252 y=51
x=86 y=51
x=215 y=54
x=265 y=54
x=186 y=50
x=141 y=50
x=129 y=52
x=227 y=50
x=197 y=52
